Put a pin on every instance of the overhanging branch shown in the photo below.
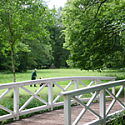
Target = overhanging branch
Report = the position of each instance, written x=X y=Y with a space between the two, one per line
x=100 y=7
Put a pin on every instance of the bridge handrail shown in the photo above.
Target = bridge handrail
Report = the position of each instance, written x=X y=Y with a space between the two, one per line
x=100 y=88
x=51 y=103
x=29 y=82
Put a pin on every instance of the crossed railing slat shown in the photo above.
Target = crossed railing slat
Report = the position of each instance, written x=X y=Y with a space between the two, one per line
x=51 y=102
x=100 y=91
x=85 y=107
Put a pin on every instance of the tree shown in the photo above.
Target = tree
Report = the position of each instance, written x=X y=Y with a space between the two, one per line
x=20 y=21
x=60 y=54
x=41 y=54
x=94 y=32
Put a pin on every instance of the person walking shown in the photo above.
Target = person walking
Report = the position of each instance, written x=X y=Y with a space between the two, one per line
x=33 y=77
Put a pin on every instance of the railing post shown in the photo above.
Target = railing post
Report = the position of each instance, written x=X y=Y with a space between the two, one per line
x=96 y=83
x=16 y=102
x=102 y=106
x=50 y=96
x=76 y=87
x=67 y=110
x=76 y=84
x=113 y=88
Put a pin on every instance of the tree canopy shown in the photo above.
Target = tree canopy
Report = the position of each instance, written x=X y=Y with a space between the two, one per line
x=59 y=53
x=23 y=26
x=95 y=33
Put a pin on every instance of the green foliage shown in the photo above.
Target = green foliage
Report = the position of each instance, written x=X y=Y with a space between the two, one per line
x=117 y=119
x=57 y=40
x=7 y=102
x=23 y=22
x=95 y=33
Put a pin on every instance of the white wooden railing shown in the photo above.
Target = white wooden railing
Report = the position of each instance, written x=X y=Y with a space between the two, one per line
x=100 y=91
x=51 y=103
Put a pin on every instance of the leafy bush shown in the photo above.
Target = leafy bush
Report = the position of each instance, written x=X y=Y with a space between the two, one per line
x=118 y=119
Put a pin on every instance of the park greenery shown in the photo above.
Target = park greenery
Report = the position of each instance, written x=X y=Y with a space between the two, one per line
x=87 y=34
x=118 y=119
x=30 y=36
x=94 y=33
x=6 y=77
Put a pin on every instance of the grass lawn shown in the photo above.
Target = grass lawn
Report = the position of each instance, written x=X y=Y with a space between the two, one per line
x=7 y=77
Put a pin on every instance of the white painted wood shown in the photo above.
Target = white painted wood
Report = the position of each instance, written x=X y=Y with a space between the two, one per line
x=113 y=88
x=58 y=86
x=76 y=84
x=103 y=106
x=85 y=108
x=99 y=87
x=67 y=110
x=16 y=102
x=83 y=84
x=6 y=109
x=80 y=96
x=5 y=93
x=94 y=122
x=96 y=81
x=116 y=97
x=32 y=110
x=114 y=100
x=47 y=80
x=56 y=98
x=62 y=89
x=34 y=95
x=68 y=85
x=50 y=96
x=91 y=83
x=86 y=86
x=51 y=103
x=8 y=116
x=27 y=102
x=94 y=88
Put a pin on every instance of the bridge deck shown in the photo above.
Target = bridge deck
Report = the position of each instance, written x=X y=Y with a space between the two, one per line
x=56 y=117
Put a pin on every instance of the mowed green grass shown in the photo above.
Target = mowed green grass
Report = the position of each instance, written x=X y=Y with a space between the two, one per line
x=7 y=77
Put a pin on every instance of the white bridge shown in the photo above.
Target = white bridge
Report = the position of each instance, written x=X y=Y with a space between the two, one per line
x=97 y=92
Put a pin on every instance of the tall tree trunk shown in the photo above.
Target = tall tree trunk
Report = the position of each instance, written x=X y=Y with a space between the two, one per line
x=13 y=65
x=12 y=47
x=58 y=61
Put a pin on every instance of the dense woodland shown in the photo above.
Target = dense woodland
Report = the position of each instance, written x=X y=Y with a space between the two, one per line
x=90 y=34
